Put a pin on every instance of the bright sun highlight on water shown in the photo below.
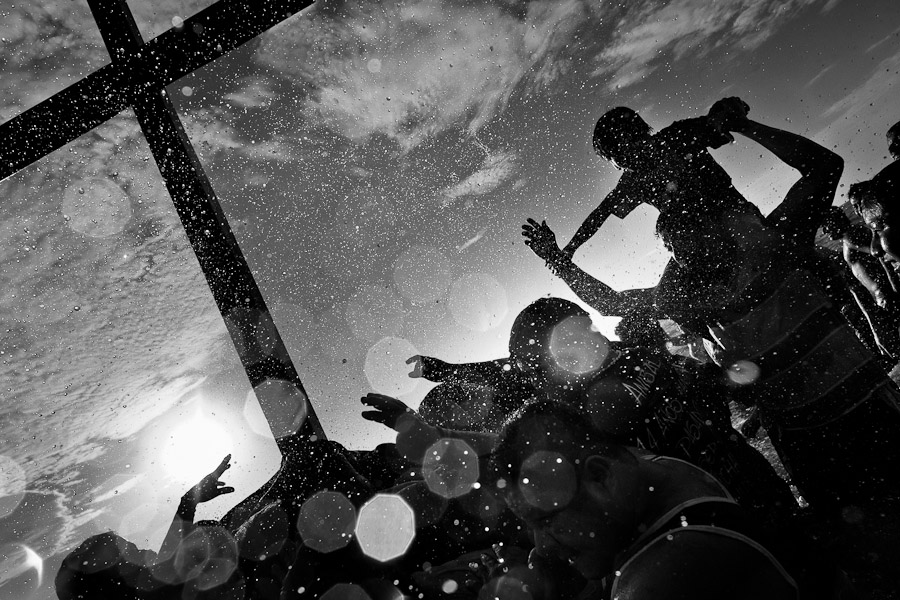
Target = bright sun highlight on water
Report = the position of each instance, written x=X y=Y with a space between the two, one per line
x=195 y=448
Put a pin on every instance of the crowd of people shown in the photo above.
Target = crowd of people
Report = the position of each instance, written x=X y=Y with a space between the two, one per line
x=582 y=468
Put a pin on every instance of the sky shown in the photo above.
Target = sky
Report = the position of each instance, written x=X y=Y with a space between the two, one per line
x=376 y=161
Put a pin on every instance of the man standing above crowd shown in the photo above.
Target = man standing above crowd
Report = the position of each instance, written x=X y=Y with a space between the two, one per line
x=673 y=166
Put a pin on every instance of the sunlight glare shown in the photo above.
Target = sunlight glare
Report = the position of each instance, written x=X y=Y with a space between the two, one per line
x=195 y=448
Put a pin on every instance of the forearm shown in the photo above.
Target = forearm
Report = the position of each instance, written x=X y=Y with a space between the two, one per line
x=416 y=437
x=698 y=133
x=592 y=224
x=806 y=204
x=594 y=292
x=878 y=292
x=182 y=525
x=799 y=152
x=491 y=372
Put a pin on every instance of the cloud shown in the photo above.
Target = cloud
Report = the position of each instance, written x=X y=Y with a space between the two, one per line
x=44 y=523
x=76 y=306
x=409 y=70
x=255 y=93
x=647 y=33
x=496 y=169
x=818 y=76
x=860 y=120
x=44 y=47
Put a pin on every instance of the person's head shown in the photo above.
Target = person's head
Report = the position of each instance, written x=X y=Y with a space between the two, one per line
x=893 y=140
x=698 y=240
x=103 y=566
x=616 y=133
x=579 y=492
x=553 y=342
x=869 y=200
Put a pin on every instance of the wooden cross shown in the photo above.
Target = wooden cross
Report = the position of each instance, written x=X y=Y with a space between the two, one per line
x=137 y=77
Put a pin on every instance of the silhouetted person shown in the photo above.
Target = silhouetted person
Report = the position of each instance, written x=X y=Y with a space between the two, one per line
x=878 y=304
x=893 y=140
x=109 y=567
x=755 y=288
x=671 y=166
x=637 y=395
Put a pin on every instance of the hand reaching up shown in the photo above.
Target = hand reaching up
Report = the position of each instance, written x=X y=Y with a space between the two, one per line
x=388 y=411
x=428 y=367
x=414 y=436
x=542 y=241
x=210 y=487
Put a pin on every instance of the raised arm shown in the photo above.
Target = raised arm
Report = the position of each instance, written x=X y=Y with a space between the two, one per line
x=617 y=202
x=806 y=204
x=596 y=294
x=490 y=372
x=183 y=522
x=414 y=435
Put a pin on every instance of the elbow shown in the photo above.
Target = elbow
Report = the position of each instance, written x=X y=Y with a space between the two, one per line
x=833 y=165
x=827 y=166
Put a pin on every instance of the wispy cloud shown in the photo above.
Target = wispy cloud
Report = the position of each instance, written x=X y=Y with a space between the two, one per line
x=860 y=120
x=647 y=33
x=895 y=34
x=496 y=169
x=880 y=86
x=44 y=47
x=254 y=93
x=409 y=70
x=819 y=75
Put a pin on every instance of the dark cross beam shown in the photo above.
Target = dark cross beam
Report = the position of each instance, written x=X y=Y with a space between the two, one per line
x=137 y=78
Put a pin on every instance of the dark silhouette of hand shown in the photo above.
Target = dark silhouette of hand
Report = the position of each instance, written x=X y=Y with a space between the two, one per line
x=428 y=367
x=542 y=241
x=388 y=411
x=210 y=487
x=728 y=114
x=414 y=436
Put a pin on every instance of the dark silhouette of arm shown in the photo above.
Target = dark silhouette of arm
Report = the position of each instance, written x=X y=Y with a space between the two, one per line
x=493 y=373
x=596 y=294
x=183 y=522
x=807 y=202
x=620 y=201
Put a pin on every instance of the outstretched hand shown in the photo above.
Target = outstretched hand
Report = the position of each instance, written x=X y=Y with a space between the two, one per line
x=542 y=241
x=428 y=367
x=388 y=411
x=210 y=487
x=414 y=436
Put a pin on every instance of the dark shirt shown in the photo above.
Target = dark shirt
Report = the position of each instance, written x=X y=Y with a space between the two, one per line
x=675 y=168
